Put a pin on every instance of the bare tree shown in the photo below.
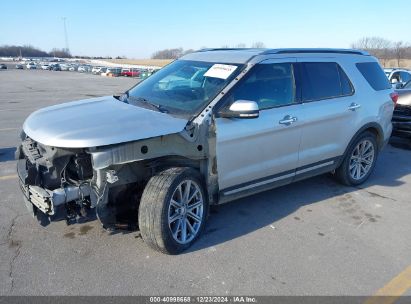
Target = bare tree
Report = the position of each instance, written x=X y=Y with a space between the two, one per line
x=258 y=45
x=24 y=50
x=168 y=54
x=399 y=50
x=61 y=53
x=377 y=46
x=241 y=46
x=188 y=51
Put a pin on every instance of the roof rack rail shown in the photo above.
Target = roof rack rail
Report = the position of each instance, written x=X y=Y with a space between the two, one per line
x=222 y=49
x=311 y=51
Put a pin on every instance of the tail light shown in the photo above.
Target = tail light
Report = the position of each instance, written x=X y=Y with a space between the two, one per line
x=394 y=97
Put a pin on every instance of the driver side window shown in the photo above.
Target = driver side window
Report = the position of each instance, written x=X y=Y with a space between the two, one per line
x=270 y=85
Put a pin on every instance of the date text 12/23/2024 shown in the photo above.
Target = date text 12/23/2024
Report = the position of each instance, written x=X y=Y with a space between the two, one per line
x=205 y=299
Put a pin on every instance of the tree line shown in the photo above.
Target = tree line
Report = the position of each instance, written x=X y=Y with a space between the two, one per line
x=384 y=49
x=178 y=52
x=381 y=48
x=31 y=51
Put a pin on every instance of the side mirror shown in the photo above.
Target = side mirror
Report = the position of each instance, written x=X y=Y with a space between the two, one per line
x=399 y=85
x=241 y=109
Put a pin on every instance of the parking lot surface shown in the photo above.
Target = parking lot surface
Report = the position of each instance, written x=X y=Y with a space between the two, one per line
x=314 y=237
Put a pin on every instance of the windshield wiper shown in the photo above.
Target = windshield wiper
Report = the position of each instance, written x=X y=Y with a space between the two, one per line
x=145 y=102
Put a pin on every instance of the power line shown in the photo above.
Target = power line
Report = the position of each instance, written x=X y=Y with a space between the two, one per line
x=66 y=35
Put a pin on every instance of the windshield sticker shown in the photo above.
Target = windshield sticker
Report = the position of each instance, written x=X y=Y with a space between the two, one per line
x=222 y=71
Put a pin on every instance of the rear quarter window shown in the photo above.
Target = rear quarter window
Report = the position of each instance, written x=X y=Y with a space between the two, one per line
x=324 y=80
x=374 y=75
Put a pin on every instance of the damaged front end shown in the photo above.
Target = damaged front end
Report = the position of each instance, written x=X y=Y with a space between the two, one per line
x=54 y=181
x=70 y=183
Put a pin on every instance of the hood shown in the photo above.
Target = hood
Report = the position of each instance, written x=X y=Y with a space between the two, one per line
x=97 y=122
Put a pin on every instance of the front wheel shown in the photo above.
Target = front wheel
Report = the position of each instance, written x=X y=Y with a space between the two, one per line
x=173 y=210
x=359 y=161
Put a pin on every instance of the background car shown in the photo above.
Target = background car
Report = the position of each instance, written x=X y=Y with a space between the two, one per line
x=3 y=66
x=144 y=73
x=45 y=66
x=401 y=120
x=84 y=69
x=96 y=70
x=19 y=67
x=55 y=67
x=31 y=66
x=130 y=72
x=398 y=77
x=73 y=68
x=112 y=72
x=64 y=67
x=102 y=71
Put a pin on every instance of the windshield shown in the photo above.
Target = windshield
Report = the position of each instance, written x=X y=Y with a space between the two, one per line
x=183 y=87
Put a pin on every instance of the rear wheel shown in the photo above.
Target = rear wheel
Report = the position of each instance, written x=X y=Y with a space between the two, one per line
x=359 y=161
x=173 y=210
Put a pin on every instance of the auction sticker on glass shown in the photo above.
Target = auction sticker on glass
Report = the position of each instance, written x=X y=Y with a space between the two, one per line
x=222 y=71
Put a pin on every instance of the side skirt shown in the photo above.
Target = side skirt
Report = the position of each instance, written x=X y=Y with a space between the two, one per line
x=278 y=180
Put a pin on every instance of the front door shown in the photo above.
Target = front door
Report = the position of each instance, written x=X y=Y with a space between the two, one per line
x=255 y=152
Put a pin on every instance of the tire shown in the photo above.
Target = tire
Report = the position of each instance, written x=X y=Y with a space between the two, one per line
x=162 y=219
x=359 y=160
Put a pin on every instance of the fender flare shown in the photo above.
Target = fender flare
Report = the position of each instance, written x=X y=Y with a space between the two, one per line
x=371 y=125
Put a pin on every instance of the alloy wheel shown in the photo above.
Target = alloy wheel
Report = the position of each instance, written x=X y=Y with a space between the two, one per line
x=185 y=211
x=362 y=159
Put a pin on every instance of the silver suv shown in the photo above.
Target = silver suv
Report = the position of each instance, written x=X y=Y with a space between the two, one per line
x=211 y=127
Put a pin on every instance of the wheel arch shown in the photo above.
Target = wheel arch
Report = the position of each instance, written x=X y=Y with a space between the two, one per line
x=372 y=127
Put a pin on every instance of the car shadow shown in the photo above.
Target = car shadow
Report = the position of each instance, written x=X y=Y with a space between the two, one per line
x=7 y=154
x=244 y=216
x=400 y=143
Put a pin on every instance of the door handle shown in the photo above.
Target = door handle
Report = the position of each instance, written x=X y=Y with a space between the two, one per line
x=288 y=120
x=354 y=106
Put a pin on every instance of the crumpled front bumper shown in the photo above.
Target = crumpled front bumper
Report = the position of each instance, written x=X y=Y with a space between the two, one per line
x=50 y=202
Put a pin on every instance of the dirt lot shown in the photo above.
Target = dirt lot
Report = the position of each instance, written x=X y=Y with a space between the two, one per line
x=314 y=237
x=148 y=62
x=392 y=63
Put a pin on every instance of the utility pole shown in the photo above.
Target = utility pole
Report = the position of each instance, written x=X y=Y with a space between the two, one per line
x=65 y=35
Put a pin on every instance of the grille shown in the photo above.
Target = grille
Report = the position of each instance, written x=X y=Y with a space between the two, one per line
x=402 y=110
x=31 y=150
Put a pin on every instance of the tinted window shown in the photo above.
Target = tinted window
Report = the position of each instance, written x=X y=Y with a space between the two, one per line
x=322 y=80
x=270 y=85
x=373 y=73
x=346 y=86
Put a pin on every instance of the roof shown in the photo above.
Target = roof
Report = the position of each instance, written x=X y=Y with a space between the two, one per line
x=243 y=55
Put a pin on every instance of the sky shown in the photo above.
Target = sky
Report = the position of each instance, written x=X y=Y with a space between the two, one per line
x=138 y=28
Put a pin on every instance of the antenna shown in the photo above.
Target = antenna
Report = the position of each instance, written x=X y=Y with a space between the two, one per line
x=65 y=35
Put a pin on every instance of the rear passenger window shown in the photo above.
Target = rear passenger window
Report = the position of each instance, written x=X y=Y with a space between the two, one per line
x=374 y=75
x=323 y=80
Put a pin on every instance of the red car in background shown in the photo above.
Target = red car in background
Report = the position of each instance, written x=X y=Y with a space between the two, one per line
x=132 y=72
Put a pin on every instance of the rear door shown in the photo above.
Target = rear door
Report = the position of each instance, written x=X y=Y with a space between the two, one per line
x=253 y=153
x=330 y=110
